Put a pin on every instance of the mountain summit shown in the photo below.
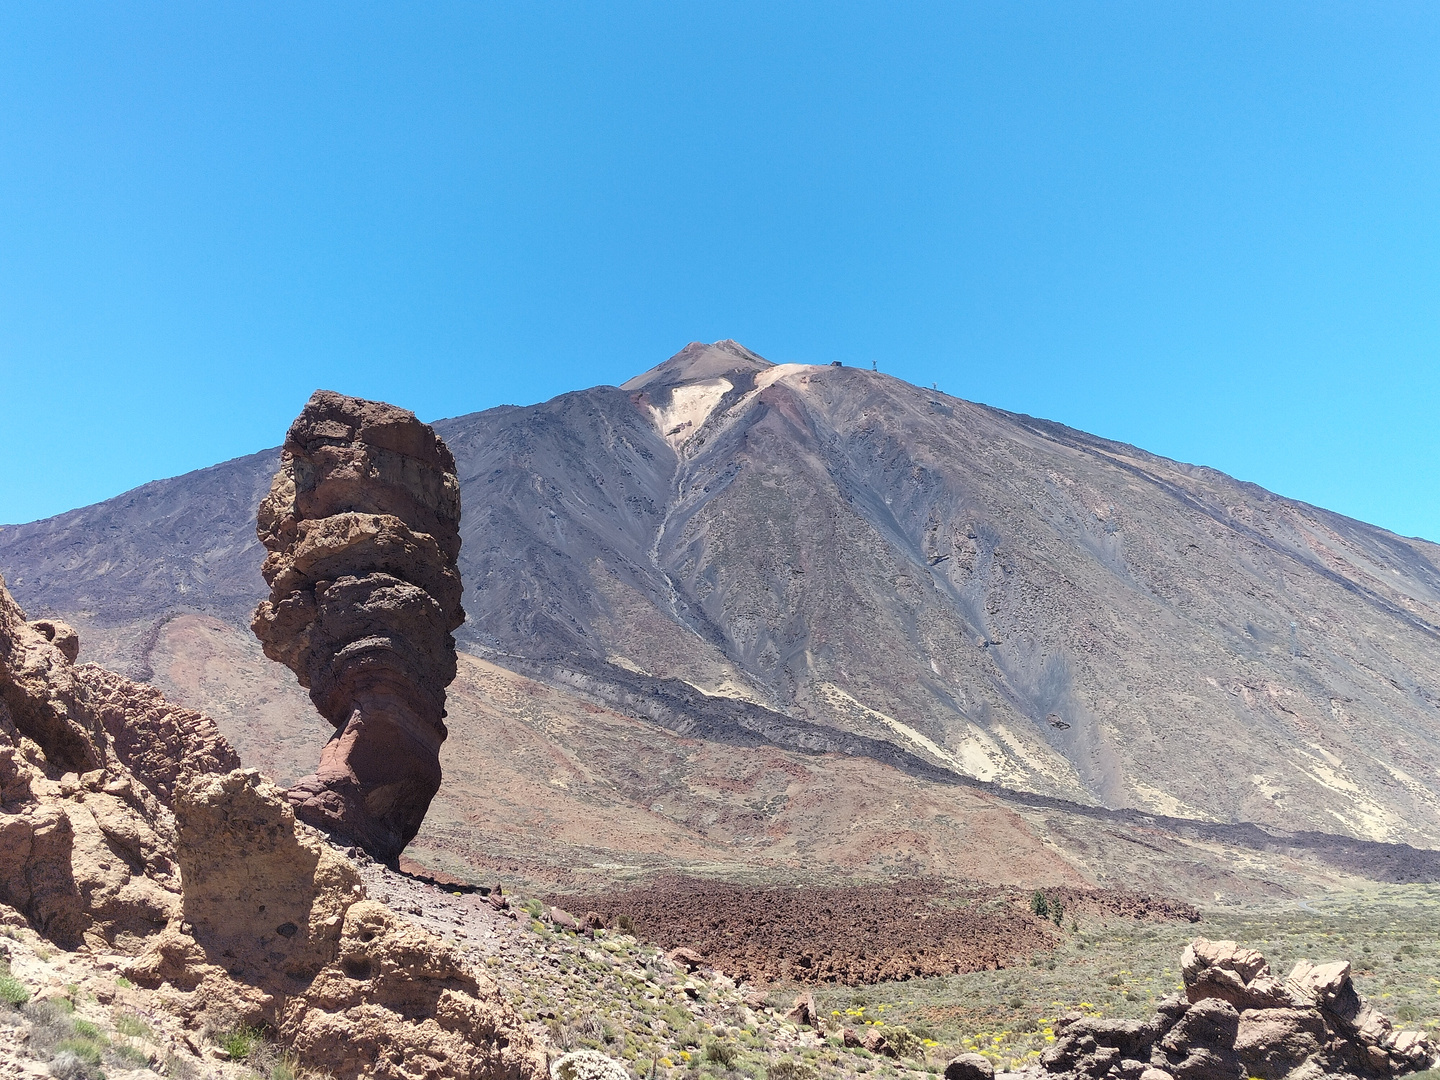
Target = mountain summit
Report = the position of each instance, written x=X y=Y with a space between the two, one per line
x=697 y=362
x=826 y=558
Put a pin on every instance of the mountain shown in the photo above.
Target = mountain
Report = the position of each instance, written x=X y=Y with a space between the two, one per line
x=799 y=560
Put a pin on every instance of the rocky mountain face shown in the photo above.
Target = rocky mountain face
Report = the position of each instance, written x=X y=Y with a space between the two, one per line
x=801 y=560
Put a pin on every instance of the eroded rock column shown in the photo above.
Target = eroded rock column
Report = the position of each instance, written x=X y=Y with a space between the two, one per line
x=363 y=528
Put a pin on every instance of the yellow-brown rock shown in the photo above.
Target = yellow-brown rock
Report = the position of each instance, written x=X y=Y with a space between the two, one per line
x=399 y=1003
x=87 y=764
x=264 y=898
x=279 y=934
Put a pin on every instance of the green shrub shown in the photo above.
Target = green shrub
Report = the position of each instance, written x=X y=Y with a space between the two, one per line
x=133 y=1026
x=12 y=990
x=132 y=1055
x=787 y=1068
x=239 y=1042
x=904 y=1041
x=87 y=1050
x=86 y=1030
x=721 y=1052
x=1039 y=905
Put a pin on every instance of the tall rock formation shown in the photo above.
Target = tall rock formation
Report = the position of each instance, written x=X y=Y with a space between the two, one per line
x=362 y=525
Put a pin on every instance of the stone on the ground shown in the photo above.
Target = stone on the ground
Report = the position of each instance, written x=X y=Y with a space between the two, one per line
x=970 y=1067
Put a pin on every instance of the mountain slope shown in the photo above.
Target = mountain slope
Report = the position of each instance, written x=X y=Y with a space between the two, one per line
x=827 y=554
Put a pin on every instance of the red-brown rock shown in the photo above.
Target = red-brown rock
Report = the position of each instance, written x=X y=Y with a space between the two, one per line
x=362 y=525
x=804 y=1011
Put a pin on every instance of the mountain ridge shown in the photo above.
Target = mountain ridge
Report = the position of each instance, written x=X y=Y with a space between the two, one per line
x=982 y=592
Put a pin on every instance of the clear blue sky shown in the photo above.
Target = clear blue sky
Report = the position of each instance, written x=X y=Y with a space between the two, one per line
x=1209 y=229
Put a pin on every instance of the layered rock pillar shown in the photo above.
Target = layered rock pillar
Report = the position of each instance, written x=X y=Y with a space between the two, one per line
x=362 y=523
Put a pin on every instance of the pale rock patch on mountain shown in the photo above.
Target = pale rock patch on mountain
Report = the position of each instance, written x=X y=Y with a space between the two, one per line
x=688 y=408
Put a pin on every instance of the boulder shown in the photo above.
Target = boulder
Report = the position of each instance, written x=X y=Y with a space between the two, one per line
x=564 y=920
x=587 y=1065
x=688 y=959
x=1202 y=954
x=1206 y=1064
x=1092 y=1046
x=397 y=1002
x=1413 y=1050
x=1131 y=1037
x=267 y=897
x=874 y=1040
x=1272 y=1042
x=62 y=635
x=1201 y=1045
x=362 y=526
x=1312 y=1026
x=969 y=1067
x=804 y=1011
x=1222 y=969
x=278 y=933
x=1210 y=1022
x=1330 y=989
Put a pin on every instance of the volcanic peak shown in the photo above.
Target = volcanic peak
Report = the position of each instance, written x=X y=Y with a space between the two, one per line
x=699 y=361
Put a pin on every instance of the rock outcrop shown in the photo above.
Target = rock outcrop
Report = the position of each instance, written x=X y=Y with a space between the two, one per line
x=88 y=764
x=362 y=525
x=126 y=826
x=278 y=934
x=1237 y=1020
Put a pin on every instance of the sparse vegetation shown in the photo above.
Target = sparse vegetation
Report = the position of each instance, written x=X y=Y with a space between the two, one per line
x=133 y=1027
x=239 y=1042
x=1121 y=967
x=12 y=990
x=721 y=1052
